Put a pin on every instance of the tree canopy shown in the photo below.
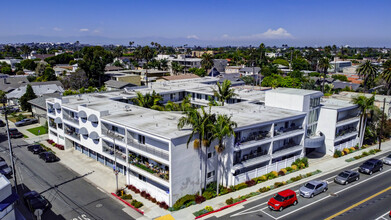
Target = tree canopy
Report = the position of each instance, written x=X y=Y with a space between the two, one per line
x=29 y=95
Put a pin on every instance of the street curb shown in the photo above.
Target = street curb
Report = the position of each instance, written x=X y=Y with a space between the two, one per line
x=128 y=204
x=220 y=209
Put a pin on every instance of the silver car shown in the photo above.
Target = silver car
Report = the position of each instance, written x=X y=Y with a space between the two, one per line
x=387 y=160
x=312 y=188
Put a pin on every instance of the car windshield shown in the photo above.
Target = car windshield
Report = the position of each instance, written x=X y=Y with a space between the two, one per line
x=279 y=198
x=309 y=186
x=4 y=166
x=38 y=202
x=369 y=164
x=343 y=175
x=389 y=156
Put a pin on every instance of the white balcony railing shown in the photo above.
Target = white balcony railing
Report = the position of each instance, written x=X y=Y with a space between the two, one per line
x=149 y=149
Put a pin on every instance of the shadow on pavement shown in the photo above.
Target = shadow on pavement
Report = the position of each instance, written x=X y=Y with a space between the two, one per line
x=48 y=214
x=67 y=181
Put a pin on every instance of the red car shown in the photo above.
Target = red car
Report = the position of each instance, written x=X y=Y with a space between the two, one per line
x=282 y=200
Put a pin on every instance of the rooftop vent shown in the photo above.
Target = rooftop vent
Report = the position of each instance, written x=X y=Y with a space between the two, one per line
x=127 y=108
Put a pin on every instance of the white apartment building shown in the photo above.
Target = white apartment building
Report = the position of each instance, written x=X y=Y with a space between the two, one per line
x=274 y=128
x=7 y=199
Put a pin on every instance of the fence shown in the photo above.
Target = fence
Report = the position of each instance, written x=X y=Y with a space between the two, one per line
x=347 y=144
x=240 y=178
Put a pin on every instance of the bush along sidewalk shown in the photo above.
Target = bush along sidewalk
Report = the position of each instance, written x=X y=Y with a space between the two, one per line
x=203 y=211
x=346 y=151
x=274 y=186
x=147 y=196
x=364 y=154
x=210 y=191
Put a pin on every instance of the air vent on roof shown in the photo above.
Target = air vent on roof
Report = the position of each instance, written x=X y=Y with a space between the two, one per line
x=127 y=108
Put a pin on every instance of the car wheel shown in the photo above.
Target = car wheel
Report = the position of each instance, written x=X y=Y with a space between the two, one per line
x=346 y=182
x=281 y=208
x=381 y=168
x=295 y=203
x=357 y=178
x=325 y=189
x=312 y=195
x=370 y=173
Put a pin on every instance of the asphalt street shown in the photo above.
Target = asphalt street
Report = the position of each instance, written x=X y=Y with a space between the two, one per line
x=71 y=197
x=368 y=198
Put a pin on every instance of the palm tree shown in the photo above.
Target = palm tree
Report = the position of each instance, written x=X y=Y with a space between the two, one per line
x=164 y=64
x=176 y=67
x=324 y=65
x=223 y=127
x=207 y=62
x=386 y=75
x=149 y=100
x=368 y=71
x=224 y=91
x=365 y=104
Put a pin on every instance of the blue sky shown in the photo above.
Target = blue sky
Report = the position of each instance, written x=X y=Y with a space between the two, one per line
x=205 y=22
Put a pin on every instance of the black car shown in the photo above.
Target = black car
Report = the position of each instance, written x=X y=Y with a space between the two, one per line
x=2 y=124
x=34 y=201
x=48 y=156
x=346 y=177
x=5 y=169
x=14 y=133
x=9 y=110
x=36 y=148
x=370 y=166
x=26 y=121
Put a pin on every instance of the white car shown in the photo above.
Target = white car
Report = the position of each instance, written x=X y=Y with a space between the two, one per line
x=387 y=160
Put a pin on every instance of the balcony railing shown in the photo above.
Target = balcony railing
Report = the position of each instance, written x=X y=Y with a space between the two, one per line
x=72 y=133
x=155 y=170
x=252 y=155
x=255 y=136
x=343 y=132
x=69 y=118
x=348 y=117
x=119 y=154
x=51 y=111
x=152 y=150
x=112 y=134
x=287 y=130
x=52 y=125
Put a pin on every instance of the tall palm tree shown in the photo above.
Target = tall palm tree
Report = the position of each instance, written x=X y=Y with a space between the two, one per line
x=224 y=91
x=365 y=105
x=149 y=100
x=223 y=127
x=324 y=65
x=368 y=71
x=198 y=121
x=386 y=75
x=176 y=67
x=207 y=62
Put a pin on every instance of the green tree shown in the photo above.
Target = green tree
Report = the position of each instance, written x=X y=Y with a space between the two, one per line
x=340 y=77
x=324 y=65
x=28 y=64
x=94 y=62
x=176 y=68
x=248 y=80
x=40 y=69
x=281 y=62
x=149 y=100
x=224 y=127
x=29 y=95
x=300 y=64
x=369 y=72
x=147 y=54
x=198 y=71
x=365 y=105
x=207 y=62
x=224 y=91
x=386 y=75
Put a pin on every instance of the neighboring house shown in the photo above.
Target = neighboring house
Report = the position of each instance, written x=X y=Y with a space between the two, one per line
x=232 y=69
x=319 y=80
x=10 y=62
x=274 y=55
x=338 y=66
x=249 y=71
x=9 y=83
x=342 y=85
x=220 y=64
x=113 y=68
x=274 y=128
x=177 y=77
x=38 y=107
x=40 y=88
x=117 y=85
x=233 y=77
x=41 y=56
x=8 y=198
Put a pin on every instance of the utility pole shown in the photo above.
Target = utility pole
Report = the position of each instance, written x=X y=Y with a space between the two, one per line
x=382 y=123
x=10 y=148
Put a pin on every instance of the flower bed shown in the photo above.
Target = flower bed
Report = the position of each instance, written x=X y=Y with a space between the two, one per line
x=364 y=154
x=147 y=196
x=207 y=209
x=346 y=151
x=59 y=146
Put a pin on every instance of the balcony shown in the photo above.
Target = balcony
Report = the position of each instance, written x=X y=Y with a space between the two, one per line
x=287 y=149
x=344 y=133
x=113 y=135
x=252 y=140
x=51 y=111
x=152 y=150
x=72 y=133
x=314 y=141
x=348 y=119
x=71 y=119
x=118 y=154
x=153 y=168
x=252 y=160
x=284 y=131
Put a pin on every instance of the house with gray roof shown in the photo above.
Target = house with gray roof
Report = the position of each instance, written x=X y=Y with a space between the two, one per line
x=8 y=84
x=38 y=106
x=40 y=88
x=116 y=85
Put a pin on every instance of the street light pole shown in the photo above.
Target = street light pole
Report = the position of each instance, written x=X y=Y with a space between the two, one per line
x=382 y=123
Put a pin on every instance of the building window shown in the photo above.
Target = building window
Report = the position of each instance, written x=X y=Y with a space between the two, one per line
x=172 y=96
x=141 y=177
x=141 y=139
x=59 y=126
x=211 y=174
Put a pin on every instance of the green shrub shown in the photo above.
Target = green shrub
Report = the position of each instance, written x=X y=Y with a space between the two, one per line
x=357 y=157
x=240 y=186
x=278 y=184
x=308 y=174
x=126 y=196
x=208 y=195
x=224 y=190
x=229 y=201
x=337 y=153
x=263 y=189
x=289 y=169
x=185 y=199
x=136 y=204
x=297 y=178
x=200 y=212
x=372 y=152
x=364 y=154
x=209 y=208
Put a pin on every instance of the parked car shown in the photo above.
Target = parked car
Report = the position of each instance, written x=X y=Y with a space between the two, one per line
x=313 y=188
x=282 y=200
x=36 y=148
x=14 y=133
x=9 y=110
x=5 y=169
x=48 y=156
x=2 y=124
x=387 y=160
x=346 y=177
x=34 y=201
x=26 y=121
x=370 y=166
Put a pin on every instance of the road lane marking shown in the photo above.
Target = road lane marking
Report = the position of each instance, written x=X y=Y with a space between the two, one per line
x=383 y=216
x=329 y=195
x=358 y=203
x=269 y=215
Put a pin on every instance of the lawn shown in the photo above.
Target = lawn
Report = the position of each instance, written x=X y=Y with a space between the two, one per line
x=34 y=131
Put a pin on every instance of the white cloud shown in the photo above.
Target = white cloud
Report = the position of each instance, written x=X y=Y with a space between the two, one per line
x=84 y=30
x=192 y=37
x=279 y=33
x=96 y=31
x=57 y=29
